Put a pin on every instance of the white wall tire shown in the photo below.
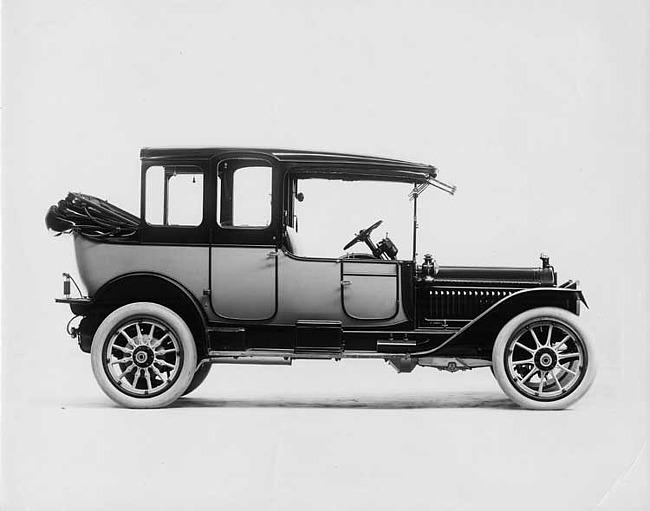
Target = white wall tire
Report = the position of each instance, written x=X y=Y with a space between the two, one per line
x=543 y=359
x=143 y=355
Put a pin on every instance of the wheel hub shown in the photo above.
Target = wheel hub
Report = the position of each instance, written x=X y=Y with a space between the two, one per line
x=545 y=359
x=143 y=356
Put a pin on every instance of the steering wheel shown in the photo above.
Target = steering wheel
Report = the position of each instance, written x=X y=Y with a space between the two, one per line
x=363 y=234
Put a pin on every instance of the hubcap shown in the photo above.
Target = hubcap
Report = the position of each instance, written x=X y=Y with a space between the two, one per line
x=545 y=360
x=143 y=357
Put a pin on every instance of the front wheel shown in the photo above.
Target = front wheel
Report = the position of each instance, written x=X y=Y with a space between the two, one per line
x=143 y=355
x=543 y=359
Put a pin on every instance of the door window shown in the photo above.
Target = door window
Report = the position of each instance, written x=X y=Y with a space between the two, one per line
x=245 y=194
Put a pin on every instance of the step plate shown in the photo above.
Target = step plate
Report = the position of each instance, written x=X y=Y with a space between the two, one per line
x=392 y=346
x=319 y=336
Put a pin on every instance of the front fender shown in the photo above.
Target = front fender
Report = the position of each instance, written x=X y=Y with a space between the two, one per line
x=477 y=337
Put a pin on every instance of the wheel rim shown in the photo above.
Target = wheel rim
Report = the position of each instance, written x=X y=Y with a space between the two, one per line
x=546 y=360
x=143 y=357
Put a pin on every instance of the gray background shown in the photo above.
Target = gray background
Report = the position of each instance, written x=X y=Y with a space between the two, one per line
x=536 y=110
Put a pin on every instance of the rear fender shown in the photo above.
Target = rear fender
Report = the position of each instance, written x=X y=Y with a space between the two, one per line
x=140 y=287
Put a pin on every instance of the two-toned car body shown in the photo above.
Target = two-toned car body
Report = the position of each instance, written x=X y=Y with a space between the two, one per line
x=208 y=273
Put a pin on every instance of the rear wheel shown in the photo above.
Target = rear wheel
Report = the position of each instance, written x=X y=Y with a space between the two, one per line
x=543 y=359
x=143 y=355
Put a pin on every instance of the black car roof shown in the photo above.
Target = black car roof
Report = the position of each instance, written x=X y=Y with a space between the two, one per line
x=317 y=164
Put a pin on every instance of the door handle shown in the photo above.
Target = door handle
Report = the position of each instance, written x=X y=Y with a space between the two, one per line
x=272 y=254
x=345 y=283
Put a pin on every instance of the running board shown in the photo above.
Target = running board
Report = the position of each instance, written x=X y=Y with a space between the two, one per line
x=396 y=345
x=296 y=355
x=401 y=362
x=268 y=361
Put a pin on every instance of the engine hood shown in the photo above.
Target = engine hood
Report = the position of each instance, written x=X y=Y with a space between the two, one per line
x=494 y=276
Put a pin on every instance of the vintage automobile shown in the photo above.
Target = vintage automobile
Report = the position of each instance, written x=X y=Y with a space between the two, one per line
x=211 y=273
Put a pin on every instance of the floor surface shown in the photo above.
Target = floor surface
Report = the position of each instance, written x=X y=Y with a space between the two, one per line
x=323 y=435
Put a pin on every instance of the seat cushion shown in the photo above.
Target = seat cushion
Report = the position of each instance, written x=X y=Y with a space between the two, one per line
x=291 y=240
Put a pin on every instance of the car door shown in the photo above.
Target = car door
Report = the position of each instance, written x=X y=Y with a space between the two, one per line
x=244 y=254
x=244 y=282
x=370 y=289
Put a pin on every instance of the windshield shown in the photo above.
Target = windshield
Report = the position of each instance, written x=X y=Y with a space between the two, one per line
x=332 y=212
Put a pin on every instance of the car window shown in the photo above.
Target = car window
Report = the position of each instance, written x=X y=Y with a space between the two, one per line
x=333 y=211
x=249 y=198
x=174 y=196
